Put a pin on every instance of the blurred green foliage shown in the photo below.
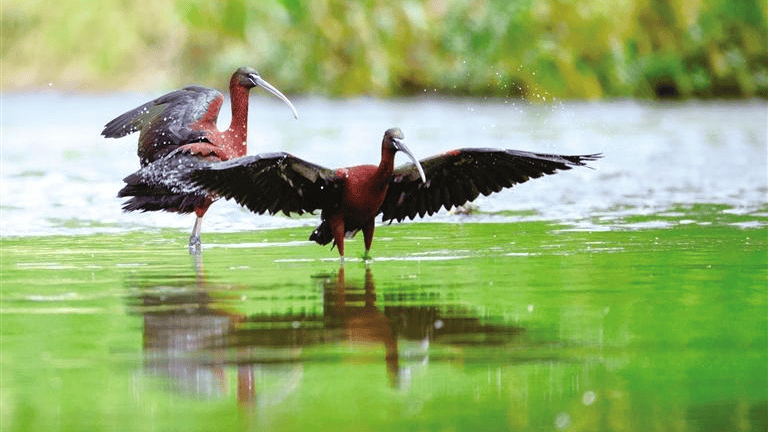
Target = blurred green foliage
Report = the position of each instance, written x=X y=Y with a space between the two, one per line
x=536 y=49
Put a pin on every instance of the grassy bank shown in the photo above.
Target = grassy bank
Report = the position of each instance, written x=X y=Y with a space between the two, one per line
x=535 y=49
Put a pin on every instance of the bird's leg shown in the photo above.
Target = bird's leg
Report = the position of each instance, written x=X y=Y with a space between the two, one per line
x=337 y=224
x=194 y=239
x=197 y=260
x=368 y=238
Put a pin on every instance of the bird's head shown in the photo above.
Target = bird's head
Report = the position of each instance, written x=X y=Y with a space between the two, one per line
x=248 y=77
x=394 y=142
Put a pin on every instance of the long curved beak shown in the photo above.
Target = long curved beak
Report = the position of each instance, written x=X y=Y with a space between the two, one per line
x=259 y=81
x=401 y=146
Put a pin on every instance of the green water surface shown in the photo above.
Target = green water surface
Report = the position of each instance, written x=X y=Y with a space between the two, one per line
x=452 y=327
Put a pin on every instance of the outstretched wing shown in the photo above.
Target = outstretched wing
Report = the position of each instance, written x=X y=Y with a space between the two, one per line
x=459 y=176
x=167 y=122
x=272 y=182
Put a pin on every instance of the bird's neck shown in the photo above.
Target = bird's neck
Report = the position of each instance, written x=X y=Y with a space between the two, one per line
x=238 y=128
x=386 y=167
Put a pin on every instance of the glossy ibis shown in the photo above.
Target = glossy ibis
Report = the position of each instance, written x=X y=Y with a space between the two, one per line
x=177 y=128
x=351 y=198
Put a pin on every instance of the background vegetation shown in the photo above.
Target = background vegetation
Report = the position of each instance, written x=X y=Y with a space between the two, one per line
x=541 y=48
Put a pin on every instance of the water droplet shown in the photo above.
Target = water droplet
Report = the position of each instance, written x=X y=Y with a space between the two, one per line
x=589 y=398
x=562 y=420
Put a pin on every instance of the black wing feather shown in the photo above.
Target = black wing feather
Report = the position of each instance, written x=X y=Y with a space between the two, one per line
x=164 y=123
x=460 y=176
x=272 y=183
x=162 y=185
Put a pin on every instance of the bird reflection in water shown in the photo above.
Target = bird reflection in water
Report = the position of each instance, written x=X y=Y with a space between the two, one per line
x=195 y=336
x=183 y=321
x=353 y=310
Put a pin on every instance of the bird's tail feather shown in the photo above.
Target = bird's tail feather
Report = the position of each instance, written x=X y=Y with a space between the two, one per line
x=163 y=185
x=323 y=234
x=148 y=198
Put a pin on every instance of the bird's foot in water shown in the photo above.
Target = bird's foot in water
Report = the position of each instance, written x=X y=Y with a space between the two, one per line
x=367 y=257
x=195 y=246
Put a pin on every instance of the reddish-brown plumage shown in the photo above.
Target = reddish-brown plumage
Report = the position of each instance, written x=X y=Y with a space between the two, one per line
x=364 y=190
x=365 y=187
x=230 y=143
